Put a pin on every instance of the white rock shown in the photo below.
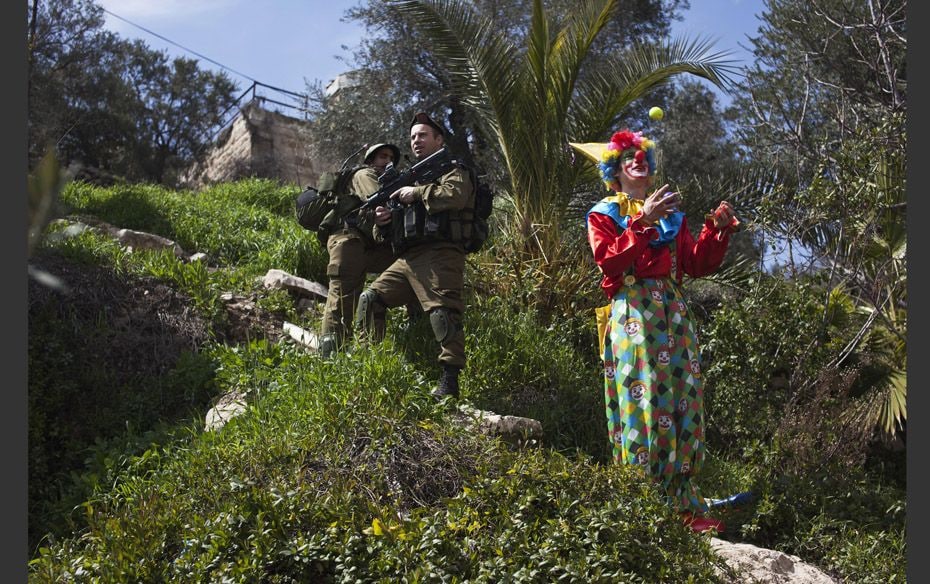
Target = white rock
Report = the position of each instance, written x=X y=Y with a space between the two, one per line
x=142 y=240
x=227 y=407
x=279 y=279
x=511 y=428
x=764 y=566
x=302 y=336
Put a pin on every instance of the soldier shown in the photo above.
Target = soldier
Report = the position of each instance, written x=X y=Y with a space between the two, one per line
x=353 y=253
x=430 y=264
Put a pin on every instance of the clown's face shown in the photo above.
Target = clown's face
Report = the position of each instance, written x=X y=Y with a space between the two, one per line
x=665 y=422
x=657 y=296
x=664 y=357
x=671 y=342
x=638 y=390
x=695 y=367
x=642 y=457
x=685 y=467
x=609 y=370
x=633 y=171
x=682 y=405
x=632 y=327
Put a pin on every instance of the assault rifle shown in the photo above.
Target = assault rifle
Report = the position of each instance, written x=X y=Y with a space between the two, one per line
x=427 y=170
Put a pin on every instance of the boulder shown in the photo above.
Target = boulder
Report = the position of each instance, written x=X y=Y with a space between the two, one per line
x=279 y=279
x=227 y=407
x=764 y=566
x=142 y=240
x=513 y=429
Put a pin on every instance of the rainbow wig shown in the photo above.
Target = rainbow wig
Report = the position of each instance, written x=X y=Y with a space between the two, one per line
x=620 y=143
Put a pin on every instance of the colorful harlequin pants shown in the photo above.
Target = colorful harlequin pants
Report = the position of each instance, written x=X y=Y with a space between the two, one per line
x=652 y=388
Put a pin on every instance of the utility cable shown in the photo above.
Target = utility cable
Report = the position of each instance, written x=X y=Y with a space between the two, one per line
x=167 y=40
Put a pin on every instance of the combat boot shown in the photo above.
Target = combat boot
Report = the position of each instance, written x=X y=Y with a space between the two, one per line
x=328 y=345
x=448 y=382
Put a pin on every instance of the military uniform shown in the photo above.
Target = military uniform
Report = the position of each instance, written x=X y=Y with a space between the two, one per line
x=352 y=254
x=429 y=269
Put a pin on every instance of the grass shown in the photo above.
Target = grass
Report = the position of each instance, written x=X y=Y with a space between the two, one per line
x=346 y=470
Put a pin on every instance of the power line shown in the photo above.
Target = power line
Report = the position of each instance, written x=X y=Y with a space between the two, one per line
x=167 y=40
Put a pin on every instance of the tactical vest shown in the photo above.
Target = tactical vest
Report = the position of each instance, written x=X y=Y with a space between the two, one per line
x=411 y=225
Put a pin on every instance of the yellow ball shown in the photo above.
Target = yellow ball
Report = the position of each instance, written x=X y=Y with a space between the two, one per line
x=656 y=113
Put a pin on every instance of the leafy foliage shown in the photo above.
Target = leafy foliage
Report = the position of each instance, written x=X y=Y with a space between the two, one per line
x=112 y=105
x=757 y=351
x=827 y=101
x=314 y=483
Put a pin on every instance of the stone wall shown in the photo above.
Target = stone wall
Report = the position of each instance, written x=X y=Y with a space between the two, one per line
x=258 y=143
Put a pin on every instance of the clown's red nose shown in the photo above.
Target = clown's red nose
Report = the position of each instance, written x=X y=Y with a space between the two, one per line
x=639 y=156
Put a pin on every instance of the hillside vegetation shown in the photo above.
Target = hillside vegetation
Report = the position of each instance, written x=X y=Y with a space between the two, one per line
x=347 y=471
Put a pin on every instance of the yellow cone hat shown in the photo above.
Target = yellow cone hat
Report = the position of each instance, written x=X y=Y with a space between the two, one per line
x=592 y=150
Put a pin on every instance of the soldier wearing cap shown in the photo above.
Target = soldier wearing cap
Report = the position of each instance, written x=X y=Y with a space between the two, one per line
x=430 y=266
x=353 y=253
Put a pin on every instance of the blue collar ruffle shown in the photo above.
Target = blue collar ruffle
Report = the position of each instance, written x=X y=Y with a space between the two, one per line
x=621 y=208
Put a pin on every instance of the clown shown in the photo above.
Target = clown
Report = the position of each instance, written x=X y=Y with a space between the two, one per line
x=664 y=357
x=609 y=370
x=642 y=245
x=632 y=327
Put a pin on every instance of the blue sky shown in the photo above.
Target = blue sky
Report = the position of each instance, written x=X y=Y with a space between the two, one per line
x=286 y=43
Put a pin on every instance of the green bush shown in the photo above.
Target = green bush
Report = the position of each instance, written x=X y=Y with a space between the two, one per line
x=518 y=366
x=341 y=473
x=751 y=350
x=82 y=410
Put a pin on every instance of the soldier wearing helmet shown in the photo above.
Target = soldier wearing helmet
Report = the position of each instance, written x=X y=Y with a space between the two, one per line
x=353 y=253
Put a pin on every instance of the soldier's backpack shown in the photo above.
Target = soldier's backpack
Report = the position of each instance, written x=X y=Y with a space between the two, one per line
x=484 y=205
x=321 y=208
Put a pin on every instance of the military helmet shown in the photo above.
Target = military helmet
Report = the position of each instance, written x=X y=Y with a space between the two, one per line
x=369 y=154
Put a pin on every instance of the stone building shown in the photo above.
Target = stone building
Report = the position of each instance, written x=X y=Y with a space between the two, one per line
x=257 y=143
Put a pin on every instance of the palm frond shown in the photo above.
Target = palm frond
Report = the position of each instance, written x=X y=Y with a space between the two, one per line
x=482 y=63
x=605 y=94
x=571 y=49
x=884 y=407
x=737 y=274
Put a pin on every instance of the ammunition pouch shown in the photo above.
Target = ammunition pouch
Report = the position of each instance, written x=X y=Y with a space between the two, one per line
x=411 y=225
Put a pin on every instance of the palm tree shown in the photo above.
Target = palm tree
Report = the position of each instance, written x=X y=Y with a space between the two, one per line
x=533 y=101
x=851 y=221
x=870 y=260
